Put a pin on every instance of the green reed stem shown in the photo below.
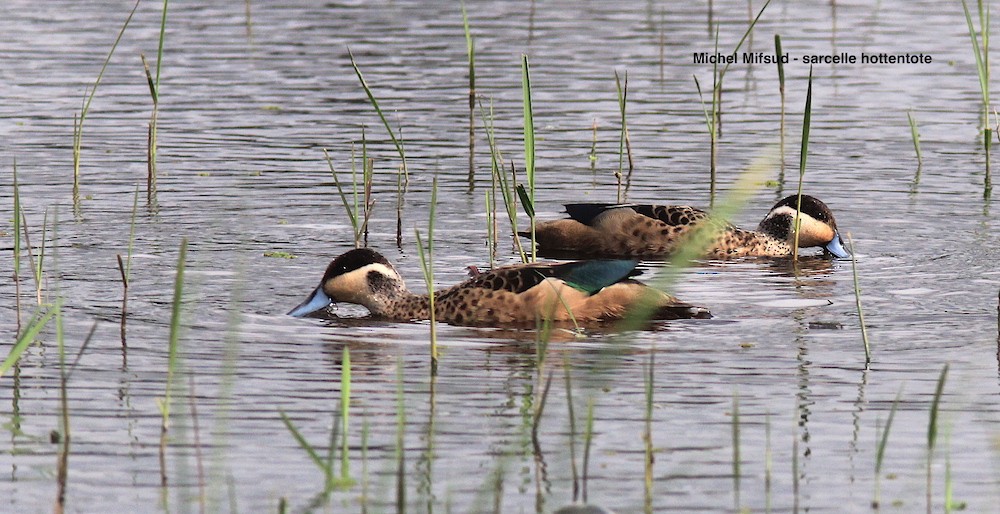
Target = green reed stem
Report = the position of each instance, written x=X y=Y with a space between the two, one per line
x=62 y=467
x=915 y=135
x=572 y=427
x=529 y=150
x=507 y=189
x=883 y=442
x=173 y=358
x=371 y=97
x=345 y=412
x=803 y=153
x=470 y=46
x=857 y=300
x=427 y=265
x=781 y=89
x=352 y=214
x=981 y=53
x=88 y=97
x=932 y=429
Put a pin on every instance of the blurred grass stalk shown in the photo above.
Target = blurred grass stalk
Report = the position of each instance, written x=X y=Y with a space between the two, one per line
x=883 y=442
x=427 y=265
x=173 y=357
x=932 y=431
x=79 y=119
x=981 y=51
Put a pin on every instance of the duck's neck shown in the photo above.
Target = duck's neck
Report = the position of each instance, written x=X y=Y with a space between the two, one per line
x=403 y=305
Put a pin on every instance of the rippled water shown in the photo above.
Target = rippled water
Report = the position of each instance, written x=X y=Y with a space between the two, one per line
x=243 y=119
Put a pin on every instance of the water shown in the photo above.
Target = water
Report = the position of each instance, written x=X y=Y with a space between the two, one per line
x=243 y=120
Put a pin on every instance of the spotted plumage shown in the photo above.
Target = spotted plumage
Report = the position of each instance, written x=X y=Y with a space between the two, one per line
x=628 y=230
x=586 y=291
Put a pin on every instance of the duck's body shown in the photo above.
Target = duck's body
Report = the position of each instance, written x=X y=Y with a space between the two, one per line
x=585 y=291
x=629 y=230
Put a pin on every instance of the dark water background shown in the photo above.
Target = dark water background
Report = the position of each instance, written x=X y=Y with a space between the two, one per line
x=243 y=119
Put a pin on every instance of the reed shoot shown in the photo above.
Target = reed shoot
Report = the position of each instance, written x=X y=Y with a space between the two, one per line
x=915 y=135
x=857 y=299
x=427 y=265
x=470 y=46
x=500 y=180
x=647 y=436
x=980 y=49
x=397 y=142
x=78 y=120
x=781 y=90
x=529 y=151
x=624 y=143
x=25 y=338
x=803 y=153
x=17 y=248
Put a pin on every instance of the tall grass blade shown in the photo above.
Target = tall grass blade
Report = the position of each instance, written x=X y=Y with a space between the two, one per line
x=915 y=135
x=371 y=97
x=345 y=411
x=981 y=54
x=647 y=436
x=173 y=357
x=803 y=153
x=352 y=214
x=883 y=443
x=932 y=430
x=470 y=45
x=25 y=338
x=88 y=97
x=427 y=265
x=529 y=149
x=17 y=247
x=857 y=300
x=781 y=90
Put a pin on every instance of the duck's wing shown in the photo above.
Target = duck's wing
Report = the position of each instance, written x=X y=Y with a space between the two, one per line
x=672 y=215
x=587 y=276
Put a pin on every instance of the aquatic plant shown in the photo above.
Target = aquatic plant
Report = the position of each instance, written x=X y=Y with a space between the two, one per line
x=981 y=51
x=359 y=220
x=326 y=464
x=916 y=136
x=154 y=92
x=781 y=91
x=427 y=266
x=24 y=339
x=79 y=119
x=624 y=142
x=932 y=430
x=506 y=186
x=883 y=441
x=857 y=300
x=173 y=356
x=713 y=119
x=397 y=142
x=803 y=154
x=528 y=200
x=470 y=45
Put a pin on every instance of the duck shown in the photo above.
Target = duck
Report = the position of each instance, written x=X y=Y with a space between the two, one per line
x=647 y=231
x=580 y=291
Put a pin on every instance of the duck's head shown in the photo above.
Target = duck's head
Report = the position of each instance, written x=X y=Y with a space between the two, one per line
x=360 y=276
x=817 y=225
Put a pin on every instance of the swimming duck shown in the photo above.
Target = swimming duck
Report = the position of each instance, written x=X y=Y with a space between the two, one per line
x=594 y=290
x=631 y=230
